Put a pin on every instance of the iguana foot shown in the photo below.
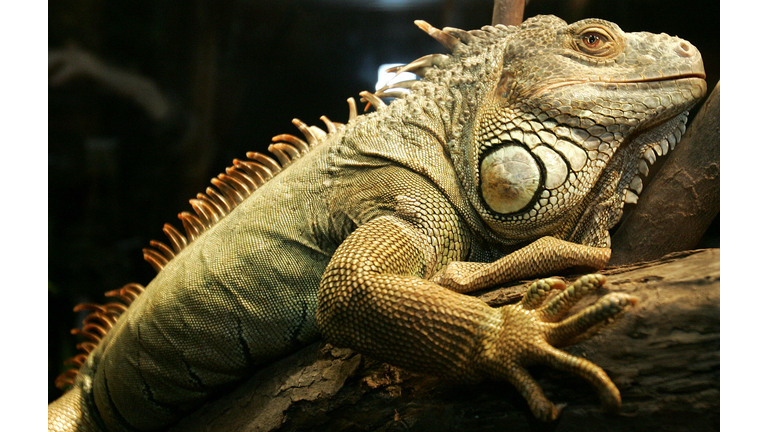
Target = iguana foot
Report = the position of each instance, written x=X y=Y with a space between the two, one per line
x=531 y=329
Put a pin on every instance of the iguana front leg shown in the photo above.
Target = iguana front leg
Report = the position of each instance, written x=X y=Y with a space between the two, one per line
x=374 y=297
x=545 y=256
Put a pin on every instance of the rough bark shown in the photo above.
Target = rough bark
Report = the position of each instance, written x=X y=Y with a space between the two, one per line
x=508 y=12
x=682 y=200
x=663 y=355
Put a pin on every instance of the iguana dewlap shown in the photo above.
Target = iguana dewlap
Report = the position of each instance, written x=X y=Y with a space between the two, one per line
x=511 y=158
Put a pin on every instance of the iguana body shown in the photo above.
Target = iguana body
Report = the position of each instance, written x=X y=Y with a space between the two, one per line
x=510 y=159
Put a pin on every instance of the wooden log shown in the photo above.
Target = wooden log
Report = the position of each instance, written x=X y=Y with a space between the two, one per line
x=663 y=354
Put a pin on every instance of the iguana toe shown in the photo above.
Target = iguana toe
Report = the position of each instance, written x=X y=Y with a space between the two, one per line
x=531 y=329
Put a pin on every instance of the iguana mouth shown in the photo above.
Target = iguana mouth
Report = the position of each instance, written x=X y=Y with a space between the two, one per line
x=664 y=78
x=598 y=80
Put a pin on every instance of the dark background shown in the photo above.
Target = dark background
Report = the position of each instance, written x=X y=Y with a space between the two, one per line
x=236 y=73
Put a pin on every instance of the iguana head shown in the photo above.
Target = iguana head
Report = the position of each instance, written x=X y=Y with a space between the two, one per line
x=552 y=135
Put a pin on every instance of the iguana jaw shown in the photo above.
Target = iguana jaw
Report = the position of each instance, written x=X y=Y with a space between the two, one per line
x=622 y=180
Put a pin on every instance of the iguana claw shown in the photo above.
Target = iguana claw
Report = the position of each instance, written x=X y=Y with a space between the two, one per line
x=532 y=328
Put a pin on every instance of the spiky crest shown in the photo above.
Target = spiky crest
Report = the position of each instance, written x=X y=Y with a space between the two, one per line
x=95 y=326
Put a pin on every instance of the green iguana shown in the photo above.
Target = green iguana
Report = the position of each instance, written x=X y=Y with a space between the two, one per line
x=510 y=158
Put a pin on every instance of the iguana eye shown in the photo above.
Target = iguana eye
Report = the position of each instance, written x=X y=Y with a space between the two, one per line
x=596 y=42
x=593 y=40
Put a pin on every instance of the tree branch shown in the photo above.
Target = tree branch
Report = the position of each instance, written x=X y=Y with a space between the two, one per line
x=508 y=12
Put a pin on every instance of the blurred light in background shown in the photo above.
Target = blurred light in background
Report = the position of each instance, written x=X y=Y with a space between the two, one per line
x=389 y=77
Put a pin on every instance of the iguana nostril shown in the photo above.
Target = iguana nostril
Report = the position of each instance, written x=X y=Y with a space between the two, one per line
x=683 y=49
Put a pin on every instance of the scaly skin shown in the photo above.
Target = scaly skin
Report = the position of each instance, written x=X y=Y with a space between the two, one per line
x=511 y=159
